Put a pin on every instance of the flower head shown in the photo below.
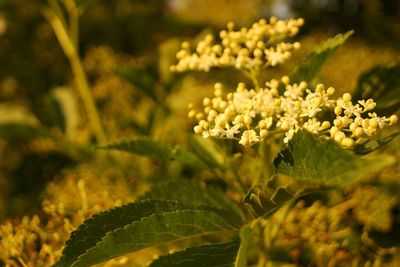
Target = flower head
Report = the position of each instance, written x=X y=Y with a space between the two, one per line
x=250 y=115
x=246 y=49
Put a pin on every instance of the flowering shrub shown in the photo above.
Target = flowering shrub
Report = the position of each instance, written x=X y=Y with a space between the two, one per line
x=251 y=115
x=278 y=172
x=304 y=209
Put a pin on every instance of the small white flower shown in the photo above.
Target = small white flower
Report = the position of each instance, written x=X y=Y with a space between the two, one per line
x=232 y=130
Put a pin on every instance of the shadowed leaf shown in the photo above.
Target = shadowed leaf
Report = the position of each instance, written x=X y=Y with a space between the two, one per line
x=215 y=255
x=309 y=68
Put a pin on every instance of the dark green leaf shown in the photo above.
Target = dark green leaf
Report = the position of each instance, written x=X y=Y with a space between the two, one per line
x=381 y=83
x=307 y=157
x=94 y=229
x=141 y=79
x=153 y=231
x=22 y=132
x=144 y=146
x=206 y=150
x=195 y=193
x=310 y=67
x=375 y=144
x=215 y=255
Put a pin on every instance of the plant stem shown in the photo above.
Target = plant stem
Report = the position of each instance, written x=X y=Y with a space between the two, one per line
x=70 y=51
x=22 y=262
x=265 y=154
x=73 y=12
x=253 y=76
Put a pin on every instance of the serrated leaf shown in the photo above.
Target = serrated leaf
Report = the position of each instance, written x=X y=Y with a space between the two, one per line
x=95 y=228
x=381 y=83
x=196 y=193
x=153 y=231
x=143 y=146
x=309 y=68
x=215 y=255
x=307 y=157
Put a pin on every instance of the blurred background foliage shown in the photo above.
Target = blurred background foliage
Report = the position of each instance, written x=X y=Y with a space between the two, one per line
x=47 y=150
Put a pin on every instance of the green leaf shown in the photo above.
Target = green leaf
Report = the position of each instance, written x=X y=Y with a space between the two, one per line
x=309 y=158
x=63 y=110
x=153 y=231
x=245 y=238
x=381 y=83
x=309 y=68
x=266 y=198
x=141 y=79
x=215 y=255
x=196 y=193
x=146 y=146
x=94 y=229
x=207 y=151
x=23 y=132
x=143 y=146
x=375 y=144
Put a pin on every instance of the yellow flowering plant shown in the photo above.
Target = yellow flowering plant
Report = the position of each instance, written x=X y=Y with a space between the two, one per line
x=298 y=200
x=267 y=171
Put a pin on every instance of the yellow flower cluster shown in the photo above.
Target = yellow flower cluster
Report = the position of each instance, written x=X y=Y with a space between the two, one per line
x=250 y=115
x=325 y=234
x=246 y=49
x=27 y=242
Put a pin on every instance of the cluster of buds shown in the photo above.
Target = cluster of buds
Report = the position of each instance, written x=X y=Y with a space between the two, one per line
x=246 y=49
x=250 y=115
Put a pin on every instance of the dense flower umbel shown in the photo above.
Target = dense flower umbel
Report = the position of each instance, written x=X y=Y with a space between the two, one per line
x=246 y=49
x=250 y=116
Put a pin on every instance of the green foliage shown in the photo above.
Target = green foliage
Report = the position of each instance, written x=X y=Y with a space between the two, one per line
x=155 y=230
x=216 y=255
x=94 y=229
x=309 y=68
x=196 y=193
x=373 y=145
x=212 y=212
x=266 y=198
x=245 y=239
x=207 y=151
x=142 y=80
x=381 y=83
x=22 y=132
x=215 y=198
x=63 y=110
x=308 y=158
x=144 y=146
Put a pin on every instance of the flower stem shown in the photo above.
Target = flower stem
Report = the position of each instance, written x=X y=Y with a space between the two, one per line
x=68 y=43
